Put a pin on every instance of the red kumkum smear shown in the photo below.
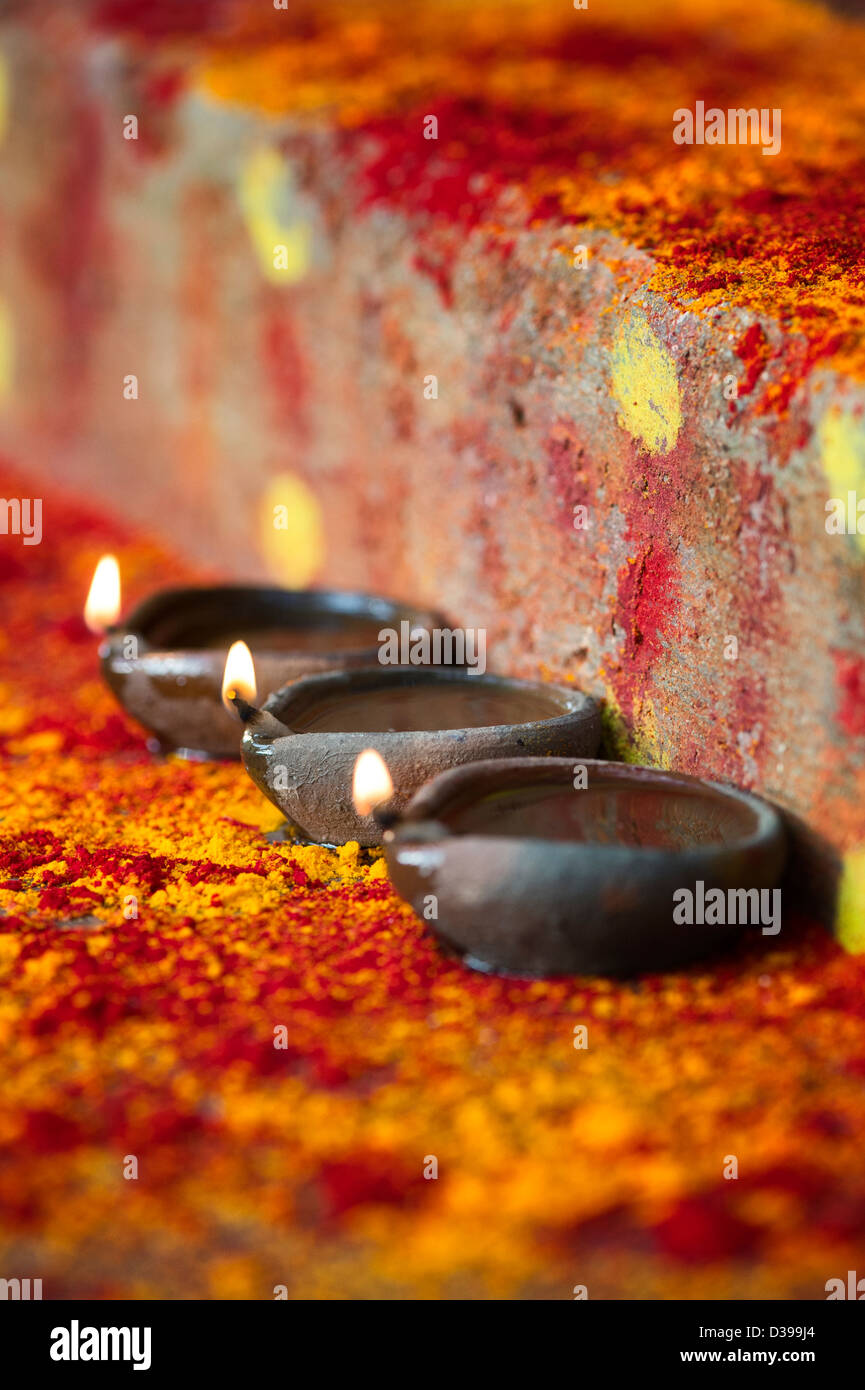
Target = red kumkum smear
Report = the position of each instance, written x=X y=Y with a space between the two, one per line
x=850 y=680
x=647 y=599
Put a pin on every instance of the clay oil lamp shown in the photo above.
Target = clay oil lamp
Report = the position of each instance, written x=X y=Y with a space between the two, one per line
x=540 y=866
x=165 y=661
x=301 y=747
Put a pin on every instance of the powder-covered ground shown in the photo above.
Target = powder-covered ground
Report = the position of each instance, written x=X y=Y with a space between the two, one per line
x=303 y=1166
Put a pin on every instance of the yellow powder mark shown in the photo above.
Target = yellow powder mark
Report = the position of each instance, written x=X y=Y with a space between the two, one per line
x=48 y=741
x=645 y=385
x=616 y=742
x=639 y=743
x=292 y=530
x=282 y=241
x=850 y=914
x=647 y=736
x=603 y=1125
x=842 y=447
x=235 y=1277
x=13 y=719
x=7 y=352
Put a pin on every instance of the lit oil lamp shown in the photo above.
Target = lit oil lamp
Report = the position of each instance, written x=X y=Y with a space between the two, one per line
x=165 y=661
x=540 y=866
x=301 y=747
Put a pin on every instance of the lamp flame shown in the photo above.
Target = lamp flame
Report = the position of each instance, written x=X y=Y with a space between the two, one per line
x=102 y=608
x=372 y=785
x=239 y=677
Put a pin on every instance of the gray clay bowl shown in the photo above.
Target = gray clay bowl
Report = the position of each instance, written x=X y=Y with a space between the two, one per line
x=173 y=684
x=534 y=906
x=309 y=775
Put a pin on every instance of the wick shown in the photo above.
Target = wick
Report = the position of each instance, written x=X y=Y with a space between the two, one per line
x=243 y=707
x=263 y=725
x=386 y=817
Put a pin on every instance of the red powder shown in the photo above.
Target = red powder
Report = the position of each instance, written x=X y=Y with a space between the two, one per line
x=48 y=1132
x=367 y=1178
x=648 y=595
x=162 y=19
x=701 y=1229
x=753 y=348
x=850 y=679
x=570 y=489
x=286 y=370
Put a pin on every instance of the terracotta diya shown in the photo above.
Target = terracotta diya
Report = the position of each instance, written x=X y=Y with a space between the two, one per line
x=301 y=747
x=536 y=868
x=165 y=661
